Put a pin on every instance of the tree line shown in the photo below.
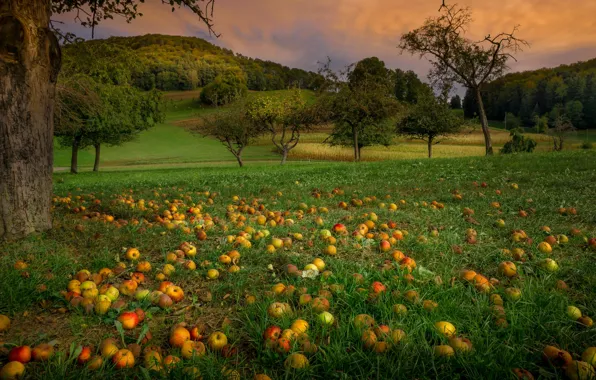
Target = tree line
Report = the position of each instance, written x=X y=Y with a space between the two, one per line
x=171 y=63
x=533 y=98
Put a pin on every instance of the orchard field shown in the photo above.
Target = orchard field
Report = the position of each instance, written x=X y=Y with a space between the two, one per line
x=475 y=268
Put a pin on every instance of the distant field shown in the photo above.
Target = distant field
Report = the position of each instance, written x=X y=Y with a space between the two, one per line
x=170 y=145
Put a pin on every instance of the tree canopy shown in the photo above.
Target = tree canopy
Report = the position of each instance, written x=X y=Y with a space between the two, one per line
x=429 y=120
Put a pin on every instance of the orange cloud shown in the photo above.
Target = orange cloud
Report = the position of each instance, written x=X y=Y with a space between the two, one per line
x=299 y=33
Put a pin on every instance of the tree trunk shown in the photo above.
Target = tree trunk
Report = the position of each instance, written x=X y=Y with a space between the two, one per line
x=239 y=159
x=356 y=148
x=97 y=155
x=30 y=60
x=74 y=158
x=430 y=148
x=484 y=121
x=284 y=156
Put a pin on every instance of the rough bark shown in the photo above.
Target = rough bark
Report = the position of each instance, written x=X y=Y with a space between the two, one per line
x=30 y=60
x=484 y=121
x=74 y=156
x=97 y=156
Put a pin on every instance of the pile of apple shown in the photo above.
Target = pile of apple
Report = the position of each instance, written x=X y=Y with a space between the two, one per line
x=583 y=369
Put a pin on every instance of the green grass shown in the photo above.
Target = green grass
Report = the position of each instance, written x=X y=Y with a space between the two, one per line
x=547 y=181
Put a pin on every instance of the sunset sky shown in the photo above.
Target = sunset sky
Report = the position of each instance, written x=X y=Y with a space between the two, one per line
x=299 y=33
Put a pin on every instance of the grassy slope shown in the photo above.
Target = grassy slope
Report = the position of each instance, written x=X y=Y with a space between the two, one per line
x=549 y=180
x=168 y=144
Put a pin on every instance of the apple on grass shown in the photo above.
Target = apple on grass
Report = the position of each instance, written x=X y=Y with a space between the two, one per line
x=12 y=370
x=217 y=341
x=129 y=320
x=326 y=318
x=20 y=354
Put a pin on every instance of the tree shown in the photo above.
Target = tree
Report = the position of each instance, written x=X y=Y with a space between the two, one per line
x=541 y=124
x=429 y=120
x=283 y=119
x=559 y=133
x=470 y=105
x=233 y=128
x=455 y=102
x=225 y=89
x=30 y=61
x=360 y=103
x=408 y=86
x=90 y=114
x=511 y=121
x=455 y=58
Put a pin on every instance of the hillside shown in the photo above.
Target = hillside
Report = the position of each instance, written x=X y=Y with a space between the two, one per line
x=566 y=90
x=172 y=63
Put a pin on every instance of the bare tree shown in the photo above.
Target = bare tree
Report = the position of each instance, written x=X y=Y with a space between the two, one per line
x=455 y=58
x=560 y=131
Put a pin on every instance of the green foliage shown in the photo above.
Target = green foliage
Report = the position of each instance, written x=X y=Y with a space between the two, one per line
x=174 y=63
x=541 y=124
x=470 y=104
x=586 y=145
x=408 y=86
x=512 y=122
x=518 y=143
x=566 y=90
x=225 y=89
x=429 y=120
x=233 y=128
x=455 y=102
x=361 y=107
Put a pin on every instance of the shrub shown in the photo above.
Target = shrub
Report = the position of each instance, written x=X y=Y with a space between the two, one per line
x=587 y=145
x=223 y=90
x=518 y=143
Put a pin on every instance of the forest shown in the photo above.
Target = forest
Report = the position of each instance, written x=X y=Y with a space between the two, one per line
x=546 y=94
x=170 y=63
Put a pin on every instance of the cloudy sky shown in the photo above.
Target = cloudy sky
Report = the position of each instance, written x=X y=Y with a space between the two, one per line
x=299 y=33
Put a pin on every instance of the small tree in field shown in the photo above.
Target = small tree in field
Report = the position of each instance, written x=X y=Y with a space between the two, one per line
x=560 y=132
x=429 y=120
x=360 y=107
x=233 y=128
x=455 y=58
x=283 y=119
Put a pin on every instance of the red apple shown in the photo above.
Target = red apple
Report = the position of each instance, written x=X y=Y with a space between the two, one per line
x=20 y=354
x=129 y=320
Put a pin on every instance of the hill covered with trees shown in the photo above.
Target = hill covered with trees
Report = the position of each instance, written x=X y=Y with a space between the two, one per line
x=567 y=91
x=185 y=63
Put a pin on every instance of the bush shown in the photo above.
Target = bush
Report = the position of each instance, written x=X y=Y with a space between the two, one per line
x=587 y=145
x=518 y=143
x=224 y=90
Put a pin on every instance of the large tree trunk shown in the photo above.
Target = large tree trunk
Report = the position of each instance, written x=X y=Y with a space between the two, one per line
x=29 y=64
x=484 y=121
x=97 y=155
x=74 y=157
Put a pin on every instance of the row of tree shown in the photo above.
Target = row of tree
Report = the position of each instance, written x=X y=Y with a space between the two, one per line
x=367 y=104
x=567 y=91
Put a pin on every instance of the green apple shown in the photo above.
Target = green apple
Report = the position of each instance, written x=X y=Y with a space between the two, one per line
x=112 y=293
x=574 y=313
x=326 y=318
x=550 y=265
x=141 y=294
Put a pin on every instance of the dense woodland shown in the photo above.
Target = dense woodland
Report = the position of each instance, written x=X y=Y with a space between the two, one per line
x=566 y=90
x=185 y=63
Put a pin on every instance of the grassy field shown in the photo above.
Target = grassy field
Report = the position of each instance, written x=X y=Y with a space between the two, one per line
x=439 y=213
x=170 y=145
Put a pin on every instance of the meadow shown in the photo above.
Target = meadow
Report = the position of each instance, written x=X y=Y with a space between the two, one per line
x=467 y=267
x=170 y=144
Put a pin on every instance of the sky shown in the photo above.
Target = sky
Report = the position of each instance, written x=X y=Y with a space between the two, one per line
x=301 y=33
